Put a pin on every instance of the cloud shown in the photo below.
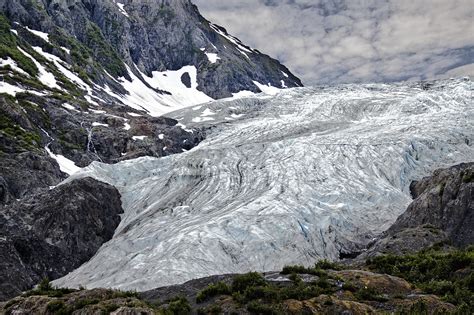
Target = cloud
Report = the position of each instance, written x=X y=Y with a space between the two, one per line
x=340 y=41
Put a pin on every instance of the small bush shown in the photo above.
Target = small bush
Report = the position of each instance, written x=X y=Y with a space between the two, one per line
x=303 y=270
x=369 y=294
x=212 y=290
x=242 y=282
x=325 y=264
x=45 y=285
x=179 y=306
x=256 y=307
x=58 y=308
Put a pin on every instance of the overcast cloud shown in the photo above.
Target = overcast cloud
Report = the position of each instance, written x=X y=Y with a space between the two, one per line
x=340 y=41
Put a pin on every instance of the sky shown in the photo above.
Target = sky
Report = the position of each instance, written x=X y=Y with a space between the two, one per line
x=353 y=41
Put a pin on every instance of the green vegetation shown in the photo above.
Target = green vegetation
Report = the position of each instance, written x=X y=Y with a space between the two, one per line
x=467 y=177
x=212 y=290
x=319 y=268
x=19 y=138
x=448 y=275
x=103 y=52
x=8 y=48
x=177 y=306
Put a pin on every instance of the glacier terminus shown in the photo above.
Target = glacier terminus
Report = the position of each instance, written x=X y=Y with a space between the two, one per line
x=306 y=174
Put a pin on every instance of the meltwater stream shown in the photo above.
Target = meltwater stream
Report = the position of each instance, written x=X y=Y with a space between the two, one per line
x=287 y=179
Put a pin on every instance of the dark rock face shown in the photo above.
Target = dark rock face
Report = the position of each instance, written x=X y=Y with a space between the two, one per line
x=54 y=232
x=155 y=36
x=445 y=201
x=26 y=173
x=442 y=211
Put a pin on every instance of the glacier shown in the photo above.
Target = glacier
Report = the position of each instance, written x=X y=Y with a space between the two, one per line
x=286 y=179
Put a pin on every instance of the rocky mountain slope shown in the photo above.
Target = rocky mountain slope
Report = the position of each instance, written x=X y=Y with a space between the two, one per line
x=307 y=174
x=82 y=81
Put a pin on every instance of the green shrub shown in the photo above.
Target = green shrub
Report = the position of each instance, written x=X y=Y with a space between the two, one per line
x=303 y=270
x=325 y=264
x=256 y=307
x=45 y=285
x=58 y=307
x=369 y=294
x=242 y=282
x=212 y=290
x=434 y=272
x=179 y=306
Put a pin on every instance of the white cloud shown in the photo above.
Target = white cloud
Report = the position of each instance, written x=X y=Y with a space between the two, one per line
x=354 y=40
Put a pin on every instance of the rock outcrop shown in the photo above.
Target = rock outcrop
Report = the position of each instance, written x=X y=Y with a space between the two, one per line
x=445 y=201
x=53 y=232
x=442 y=212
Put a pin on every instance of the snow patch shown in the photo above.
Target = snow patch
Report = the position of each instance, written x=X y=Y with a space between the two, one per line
x=161 y=136
x=97 y=124
x=47 y=78
x=202 y=119
x=267 y=89
x=9 y=89
x=10 y=62
x=139 y=137
x=67 y=166
x=244 y=50
x=134 y=114
x=122 y=8
x=212 y=57
x=69 y=107
x=207 y=112
x=43 y=35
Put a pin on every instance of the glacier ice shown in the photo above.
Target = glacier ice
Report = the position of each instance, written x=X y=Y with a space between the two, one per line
x=291 y=178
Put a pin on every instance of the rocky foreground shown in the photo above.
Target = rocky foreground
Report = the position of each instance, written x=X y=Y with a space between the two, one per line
x=421 y=265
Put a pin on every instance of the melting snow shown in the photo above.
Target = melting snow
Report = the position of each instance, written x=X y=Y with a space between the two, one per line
x=207 y=112
x=267 y=89
x=242 y=94
x=95 y=111
x=202 y=119
x=40 y=34
x=70 y=107
x=212 y=57
x=10 y=62
x=47 y=78
x=139 y=137
x=134 y=114
x=97 y=124
x=233 y=40
x=121 y=8
x=67 y=166
x=9 y=89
